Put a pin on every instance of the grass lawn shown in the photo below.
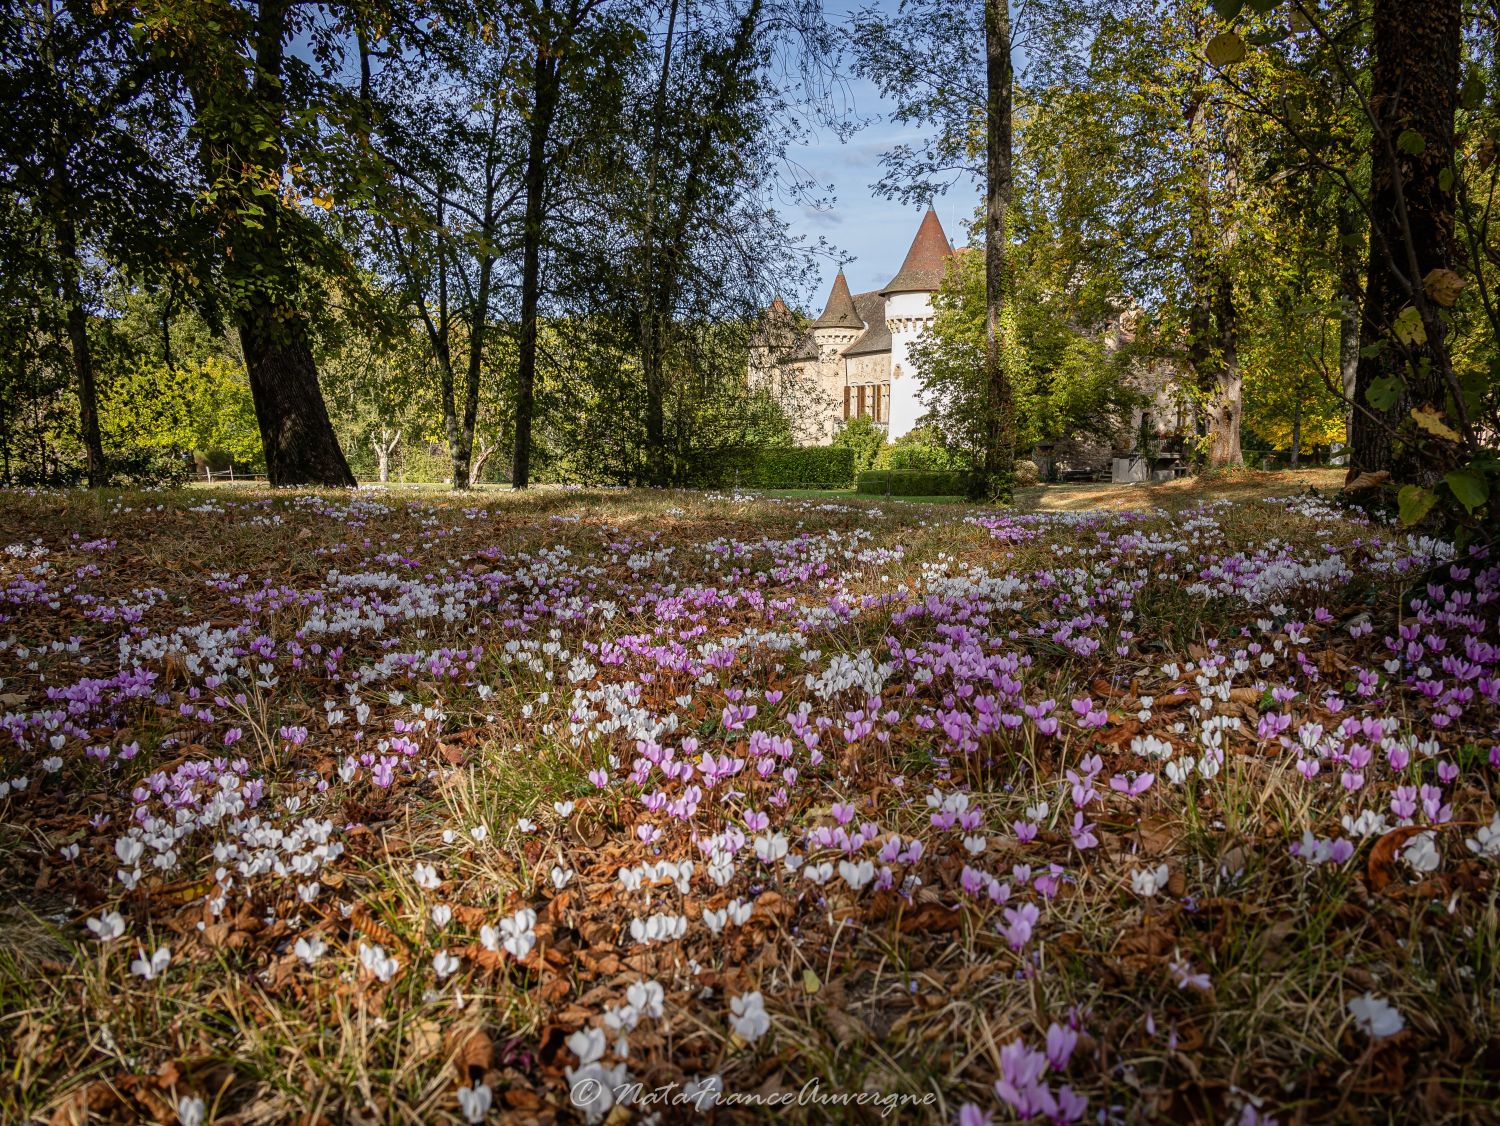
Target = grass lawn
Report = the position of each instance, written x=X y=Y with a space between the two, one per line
x=1142 y=803
x=1170 y=495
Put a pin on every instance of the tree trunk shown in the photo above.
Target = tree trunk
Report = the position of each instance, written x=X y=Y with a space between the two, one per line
x=651 y=359
x=385 y=446
x=1351 y=233
x=480 y=460
x=999 y=421
x=295 y=432
x=1414 y=90
x=300 y=445
x=1228 y=386
x=543 y=110
x=1296 y=432
x=83 y=357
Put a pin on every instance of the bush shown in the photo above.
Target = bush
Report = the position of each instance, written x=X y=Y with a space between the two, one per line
x=792 y=467
x=865 y=438
x=1027 y=473
x=150 y=468
x=812 y=467
x=921 y=449
x=914 y=482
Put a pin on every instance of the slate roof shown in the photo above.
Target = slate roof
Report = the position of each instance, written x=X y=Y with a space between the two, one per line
x=926 y=261
x=839 y=312
x=870 y=307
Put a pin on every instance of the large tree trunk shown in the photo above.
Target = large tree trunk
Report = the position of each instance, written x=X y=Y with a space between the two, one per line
x=300 y=445
x=295 y=432
x=83 y=357
x=543 y=111
x=465 y=472
x=1213 y=318
x=1414 y=89
x=999 y=421
x=651 y=328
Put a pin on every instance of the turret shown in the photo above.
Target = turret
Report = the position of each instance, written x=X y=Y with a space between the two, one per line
x=908 y=314
x=839 y=325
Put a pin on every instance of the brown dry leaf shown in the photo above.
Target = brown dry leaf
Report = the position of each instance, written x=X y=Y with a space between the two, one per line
x=472 y=1051
x=1358 y=481
x=426 y=1038
x=1156 y=834
x=1382 y=866
x=932 y=917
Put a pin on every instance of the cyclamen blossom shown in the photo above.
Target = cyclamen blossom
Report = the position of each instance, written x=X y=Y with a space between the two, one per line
x=474 y=1102
x=748 y=1016
x=153 y=965
x=1148 y=882
x=1376 y=1017
x=1019 y=922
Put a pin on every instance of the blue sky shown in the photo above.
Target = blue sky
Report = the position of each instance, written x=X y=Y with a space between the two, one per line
x=872 y=232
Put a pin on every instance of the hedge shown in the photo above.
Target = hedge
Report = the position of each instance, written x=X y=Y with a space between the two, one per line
x=806 y=467
x=914 y=482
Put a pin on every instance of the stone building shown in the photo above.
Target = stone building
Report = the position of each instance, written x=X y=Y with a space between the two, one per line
x=854 y=361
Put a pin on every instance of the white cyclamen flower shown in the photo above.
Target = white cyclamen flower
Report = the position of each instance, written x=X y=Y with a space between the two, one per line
x=1149 y=882
x=748 y=1017
x=109 y=926
x=309 y=948
x=153 y=965
x=475 y=1101
x=1376 y=1017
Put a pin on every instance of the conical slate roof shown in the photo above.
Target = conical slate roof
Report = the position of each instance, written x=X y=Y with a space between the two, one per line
x=839 y=312
x=926 y=261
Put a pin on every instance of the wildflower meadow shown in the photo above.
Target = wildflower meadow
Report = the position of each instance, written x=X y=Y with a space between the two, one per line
x=609 y=806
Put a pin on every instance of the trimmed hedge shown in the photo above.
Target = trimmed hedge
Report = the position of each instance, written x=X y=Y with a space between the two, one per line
x=806 y=467
x=914 y=482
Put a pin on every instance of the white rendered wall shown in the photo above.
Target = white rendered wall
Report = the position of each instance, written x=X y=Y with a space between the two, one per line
x=909 y=315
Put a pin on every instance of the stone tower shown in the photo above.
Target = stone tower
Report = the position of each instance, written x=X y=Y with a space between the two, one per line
x=908 y=313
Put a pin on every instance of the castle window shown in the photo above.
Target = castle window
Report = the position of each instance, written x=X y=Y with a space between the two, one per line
x=846 y=402
x=861 y=401
x=886 y=398
x=875 y=389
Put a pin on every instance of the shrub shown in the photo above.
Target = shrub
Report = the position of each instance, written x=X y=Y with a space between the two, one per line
x=1027 y=473
x=791 y=467
x=922 y=448
x=865 y=438
x=150 y=468
x=914 y=482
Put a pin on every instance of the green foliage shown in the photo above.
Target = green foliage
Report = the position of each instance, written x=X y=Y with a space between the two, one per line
x=914 y=482
x=865 y=437
x=804 y=467
x=1065 y=380
x=193 y=408
x=922 y=448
